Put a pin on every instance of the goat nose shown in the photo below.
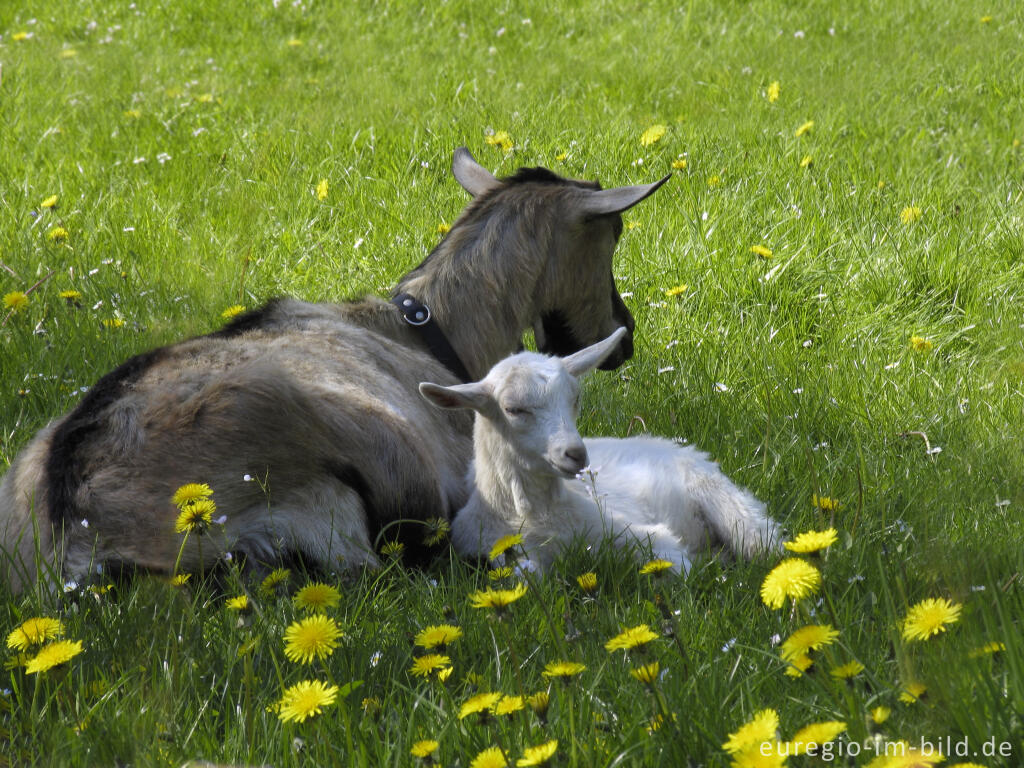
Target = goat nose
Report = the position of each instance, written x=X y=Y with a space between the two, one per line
x=577 y=454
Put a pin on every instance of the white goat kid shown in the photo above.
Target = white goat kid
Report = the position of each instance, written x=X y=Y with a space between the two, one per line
x=528 y=459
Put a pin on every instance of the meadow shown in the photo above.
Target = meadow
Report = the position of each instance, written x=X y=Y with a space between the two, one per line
x=829 y=297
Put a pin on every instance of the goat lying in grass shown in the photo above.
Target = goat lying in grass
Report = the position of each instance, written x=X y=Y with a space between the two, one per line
x=529 y=456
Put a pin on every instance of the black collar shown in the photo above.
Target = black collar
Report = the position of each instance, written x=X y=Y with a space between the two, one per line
x=418 y=315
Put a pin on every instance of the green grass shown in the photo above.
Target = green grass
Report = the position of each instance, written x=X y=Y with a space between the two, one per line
x=914 y=104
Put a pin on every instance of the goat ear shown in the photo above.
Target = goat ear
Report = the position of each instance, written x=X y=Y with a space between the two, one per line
x=588 y=358
x=473 y=177
x=618 y=199
x=472 y=395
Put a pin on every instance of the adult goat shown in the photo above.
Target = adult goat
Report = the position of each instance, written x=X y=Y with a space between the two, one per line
x=319 y=402
x=643 y=490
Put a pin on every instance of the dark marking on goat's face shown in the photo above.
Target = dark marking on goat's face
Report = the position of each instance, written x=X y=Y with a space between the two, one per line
x=624 y=318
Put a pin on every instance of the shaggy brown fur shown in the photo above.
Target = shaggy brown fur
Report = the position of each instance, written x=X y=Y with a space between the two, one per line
x=317 y=403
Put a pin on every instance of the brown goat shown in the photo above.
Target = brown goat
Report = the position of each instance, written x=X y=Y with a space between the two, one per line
x=305 y=419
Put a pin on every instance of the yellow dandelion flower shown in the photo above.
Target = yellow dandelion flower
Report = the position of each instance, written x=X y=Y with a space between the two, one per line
x=179 y=579
x=913 y=692
x=799 y=665
x=70 y=295
x=714 y=181
x=631 y=638
x=444 y=674
x=806 y=161
x=20 y=36
x=804 y=128
x=15 y=301
x=880 y=714
x=424 y=748
x=764 y=756
x=437 y=531
x=497 y=574
x=761 y=728
x=677 y=290
x=646 y=674
x=233 y=311
x=204 y=98
x=438 y=635
x=57 y=235
x=492 y=757
x=655 y=566
x=481 y=702
x=497 y=598
x=920 y=344
x=505 y=543
x=652 y=135
x=633 y=224
x=985 y=19
x=306 y=699
x=322 y=190
x=539 y=702
x=52 y=655
x=509 y=704
x=195 y=517
x=393 y=549
x=316 y=597
x=812 y=736
x=679 y=163
x=422 y=666
x=792 y=579
x=773 y=91
x=295 y=42
x=539 y=754
x=967 y=765
x=847 y=670
x=500 y=139
x=191 y=493
x=275 y=579
x=929 y=617
x=240 y=603
x=587 y=581
x=67 y=53
x=812 y=541
x=314 y=637
x=113 y=322
x=910 y=214
x=825 y=503
x=35 y=631
x=562 y=669
x=761 y=250
x=49 y=202
x=444 y=228
x=987 y=649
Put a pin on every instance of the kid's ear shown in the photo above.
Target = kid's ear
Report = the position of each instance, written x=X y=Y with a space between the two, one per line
x=473 y=395
x=588 y=358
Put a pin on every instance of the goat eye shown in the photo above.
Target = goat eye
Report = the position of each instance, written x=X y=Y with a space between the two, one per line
x=512 y=410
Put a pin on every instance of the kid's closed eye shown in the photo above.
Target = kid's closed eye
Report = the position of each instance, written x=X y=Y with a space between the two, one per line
x=515 y=410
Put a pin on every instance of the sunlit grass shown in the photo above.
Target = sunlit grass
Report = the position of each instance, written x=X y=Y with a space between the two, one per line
x=828 y=299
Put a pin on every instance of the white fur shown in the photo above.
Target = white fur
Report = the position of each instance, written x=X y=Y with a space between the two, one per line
x=533 y=474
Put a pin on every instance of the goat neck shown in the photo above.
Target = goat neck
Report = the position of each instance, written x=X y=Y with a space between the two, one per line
x=515 y=491
x=480 y=284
